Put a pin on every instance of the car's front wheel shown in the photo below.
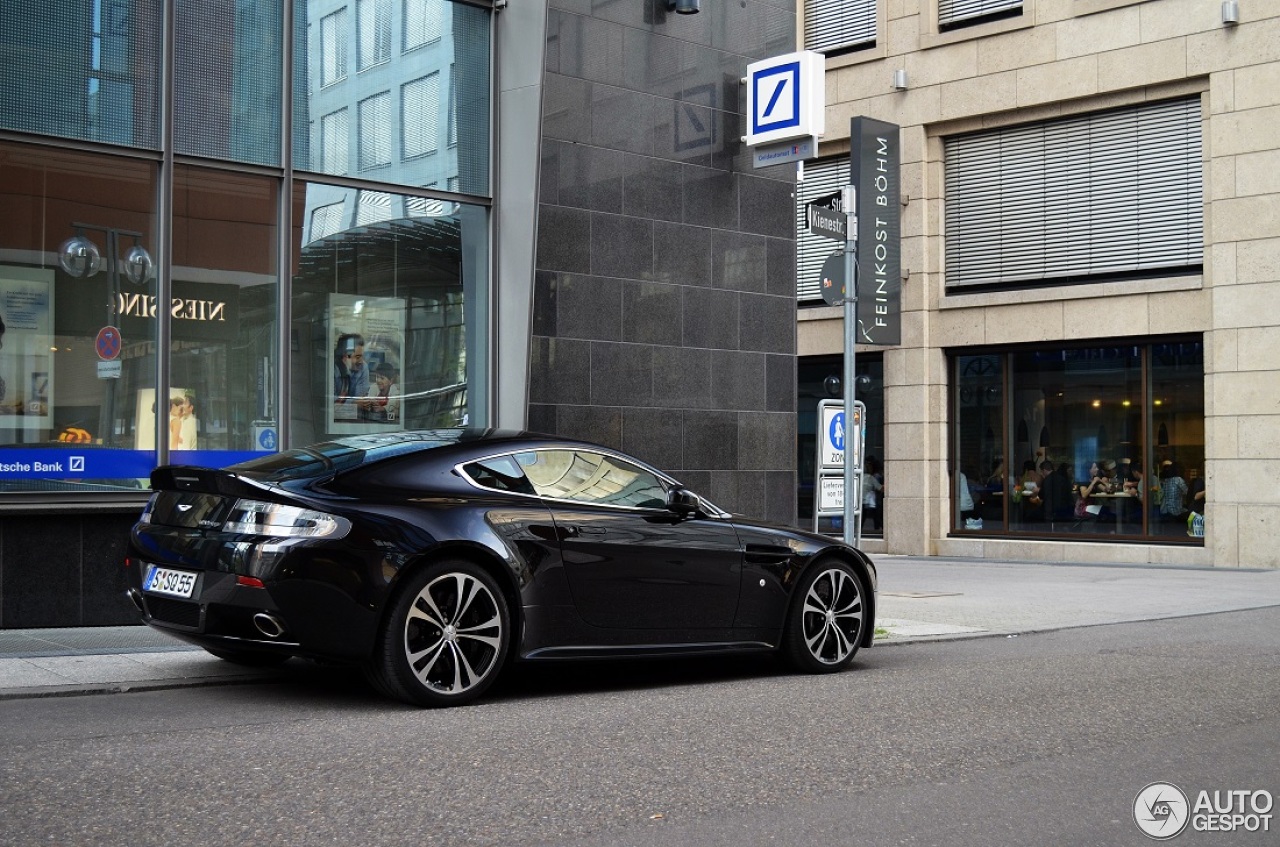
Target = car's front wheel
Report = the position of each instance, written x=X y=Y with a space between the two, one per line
x=446 y=637
x=826 y=620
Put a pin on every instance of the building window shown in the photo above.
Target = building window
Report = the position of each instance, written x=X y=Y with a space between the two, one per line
x=420 y=118
x=333 y=47
x=325 y=221
x=1115 y=194
x=818 y=378
x=375 y=32
x=372 y=207
x=401 y=293
x=1032 y=427
x=423 y=22
x=957 y=13
x=837 y=26
x=822 y=181
x=333 y=142
x=375 y=131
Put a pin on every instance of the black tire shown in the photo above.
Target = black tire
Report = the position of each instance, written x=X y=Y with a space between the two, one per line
x=446 y=637
x=249 y=658
x=826 y=621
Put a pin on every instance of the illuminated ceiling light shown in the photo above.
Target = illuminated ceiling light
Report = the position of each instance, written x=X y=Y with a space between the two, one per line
x=1097 y=404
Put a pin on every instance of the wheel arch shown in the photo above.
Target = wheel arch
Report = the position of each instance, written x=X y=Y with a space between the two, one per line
x=480 y=556
x=866 y=571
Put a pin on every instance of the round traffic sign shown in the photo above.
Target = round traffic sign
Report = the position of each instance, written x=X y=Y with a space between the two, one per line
x=108 y=343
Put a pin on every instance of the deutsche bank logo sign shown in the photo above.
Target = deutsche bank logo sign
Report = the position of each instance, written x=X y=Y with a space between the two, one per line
x=777 y=98
x=786 y=97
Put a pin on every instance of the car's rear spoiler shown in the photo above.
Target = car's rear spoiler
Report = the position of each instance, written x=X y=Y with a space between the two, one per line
x=202 y=480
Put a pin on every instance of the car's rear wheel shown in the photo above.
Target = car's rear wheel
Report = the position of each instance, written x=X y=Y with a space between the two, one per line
x=446 y=637
x=826 y=619
x=249 y=658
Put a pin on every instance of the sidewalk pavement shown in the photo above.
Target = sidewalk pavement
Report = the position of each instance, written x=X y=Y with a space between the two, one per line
x=921 y=599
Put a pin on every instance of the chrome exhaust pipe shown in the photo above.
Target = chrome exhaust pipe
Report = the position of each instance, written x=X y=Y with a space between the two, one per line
x=268 y=625
x=135 y=596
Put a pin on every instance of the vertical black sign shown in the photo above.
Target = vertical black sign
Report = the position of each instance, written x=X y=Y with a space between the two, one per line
x=875 y=165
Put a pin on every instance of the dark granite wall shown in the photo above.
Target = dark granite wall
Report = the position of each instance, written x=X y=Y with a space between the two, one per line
x=664 y=306
x=64 y=570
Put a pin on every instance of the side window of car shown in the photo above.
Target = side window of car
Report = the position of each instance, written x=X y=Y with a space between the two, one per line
x=501 y=473
x=587 y=477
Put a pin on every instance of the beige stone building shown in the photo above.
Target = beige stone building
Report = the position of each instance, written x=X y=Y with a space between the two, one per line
x=1091 y=262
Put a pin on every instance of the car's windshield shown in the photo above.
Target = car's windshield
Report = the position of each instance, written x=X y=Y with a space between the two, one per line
x=342 y=454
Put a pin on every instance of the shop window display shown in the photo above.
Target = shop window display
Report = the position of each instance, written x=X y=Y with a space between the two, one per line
x=1081 y=441
x=386 y=313
x=77 y=242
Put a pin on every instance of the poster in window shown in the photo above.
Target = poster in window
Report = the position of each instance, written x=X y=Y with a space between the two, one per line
x=26 y=342
x=180 y=415
x=367 y=337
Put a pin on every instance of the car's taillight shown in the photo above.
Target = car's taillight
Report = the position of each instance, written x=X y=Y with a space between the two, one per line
x=148 y=509
x=255 y=517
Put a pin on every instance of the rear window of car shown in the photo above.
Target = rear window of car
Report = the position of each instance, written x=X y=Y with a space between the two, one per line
x=330 y=457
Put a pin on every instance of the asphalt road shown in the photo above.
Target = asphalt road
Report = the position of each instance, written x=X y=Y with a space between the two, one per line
x=1038 y=739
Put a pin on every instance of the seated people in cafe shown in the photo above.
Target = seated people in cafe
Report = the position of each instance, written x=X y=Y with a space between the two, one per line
x=1100 y=483
x=1173 y=494
x=1053 y=497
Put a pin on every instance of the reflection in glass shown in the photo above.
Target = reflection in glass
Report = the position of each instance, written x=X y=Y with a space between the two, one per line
x=417 y=102
x=74 y=371
x=224 y=326
x=388 y=311
x=227 y=67
x=86 y=70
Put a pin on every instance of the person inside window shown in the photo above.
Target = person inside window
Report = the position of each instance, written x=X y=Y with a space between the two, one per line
x=872 y=494
x=1173 y=494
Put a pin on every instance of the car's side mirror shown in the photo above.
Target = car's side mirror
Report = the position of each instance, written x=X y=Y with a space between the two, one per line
x=683 y=502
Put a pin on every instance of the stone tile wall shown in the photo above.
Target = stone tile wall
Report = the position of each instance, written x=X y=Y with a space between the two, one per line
x=664 y=319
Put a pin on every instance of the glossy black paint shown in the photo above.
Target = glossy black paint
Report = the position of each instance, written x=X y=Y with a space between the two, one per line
x=582 y=580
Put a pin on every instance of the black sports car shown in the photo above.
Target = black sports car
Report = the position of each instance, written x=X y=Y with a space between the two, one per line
x=432 y=558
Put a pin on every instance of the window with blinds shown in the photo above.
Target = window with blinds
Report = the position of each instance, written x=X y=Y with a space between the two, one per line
x=375 y=130
x=374 y=30
x=420 y=123
x=326 y=221
x=1105 y=195
x=333 y=142
x=821 y=179
x=962 y=12
x=832 y=26
x=333 y=47
x=423 y=22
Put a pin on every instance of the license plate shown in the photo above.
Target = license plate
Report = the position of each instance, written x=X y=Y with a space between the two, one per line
x=165 y=581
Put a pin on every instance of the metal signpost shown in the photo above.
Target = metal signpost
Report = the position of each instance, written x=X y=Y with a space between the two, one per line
x=841 y=446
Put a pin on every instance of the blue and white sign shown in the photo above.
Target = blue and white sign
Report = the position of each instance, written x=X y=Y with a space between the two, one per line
x=786 y=98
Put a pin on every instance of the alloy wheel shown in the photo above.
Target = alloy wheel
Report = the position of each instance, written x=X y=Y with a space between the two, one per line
x=831 y=618
x=453 y=634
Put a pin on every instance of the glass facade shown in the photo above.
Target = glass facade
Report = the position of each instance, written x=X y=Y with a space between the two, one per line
x=142 y=288
x=1081 y=440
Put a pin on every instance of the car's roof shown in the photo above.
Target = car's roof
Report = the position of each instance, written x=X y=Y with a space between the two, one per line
x=451 y=445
